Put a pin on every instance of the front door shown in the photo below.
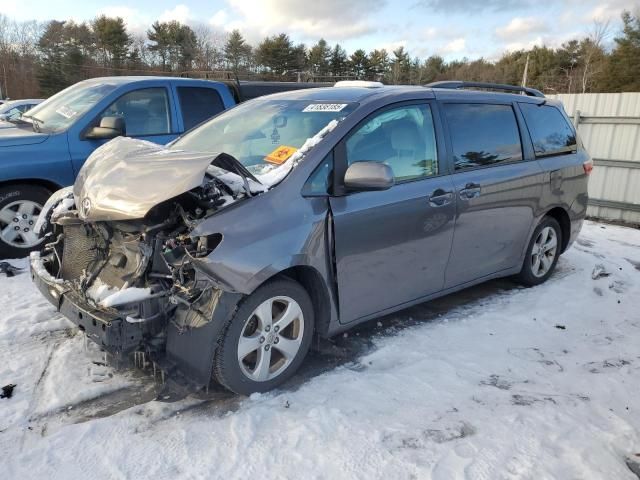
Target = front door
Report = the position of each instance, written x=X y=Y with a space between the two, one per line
x=497 y=190
x=392 y=246
x=147 y=115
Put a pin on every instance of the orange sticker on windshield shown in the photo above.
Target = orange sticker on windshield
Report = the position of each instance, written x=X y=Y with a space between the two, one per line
x=280 y=154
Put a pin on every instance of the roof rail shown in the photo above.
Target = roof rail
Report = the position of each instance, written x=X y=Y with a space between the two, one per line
x=455 y=85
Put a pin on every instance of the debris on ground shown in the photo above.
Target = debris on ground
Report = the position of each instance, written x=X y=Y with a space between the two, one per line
x=8 y=269
x=633 y=465
x=7 y=391
x=599 y=271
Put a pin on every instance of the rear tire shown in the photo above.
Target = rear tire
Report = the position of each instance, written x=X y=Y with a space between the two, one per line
x=20 y=206
x=267 y=339
x=542 y=254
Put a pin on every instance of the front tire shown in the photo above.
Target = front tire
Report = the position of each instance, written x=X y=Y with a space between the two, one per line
x=542 y=254
x=20 y=206
x=267 y=339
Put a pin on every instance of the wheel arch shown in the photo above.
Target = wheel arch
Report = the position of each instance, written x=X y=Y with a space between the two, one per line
x=38 y=182
x=312 y=281
x=562 y=217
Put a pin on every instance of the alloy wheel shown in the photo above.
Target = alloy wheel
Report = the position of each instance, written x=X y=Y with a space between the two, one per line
x=271 y=339
x=17 y=220
x=543 y=252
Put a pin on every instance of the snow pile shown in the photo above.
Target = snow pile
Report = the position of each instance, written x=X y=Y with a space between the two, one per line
x=100 y=291
x=278 y=174
x=51 y=206
x=126 y=295
x=108 y=296
x=490 y=383
x=38 y=268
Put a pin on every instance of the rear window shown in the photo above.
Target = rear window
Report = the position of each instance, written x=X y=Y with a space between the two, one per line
x=549 y=129
x=483 y=134
x=198 y=104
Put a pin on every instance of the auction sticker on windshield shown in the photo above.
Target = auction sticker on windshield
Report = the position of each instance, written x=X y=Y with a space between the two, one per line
x=280 y=154
x=324 y=107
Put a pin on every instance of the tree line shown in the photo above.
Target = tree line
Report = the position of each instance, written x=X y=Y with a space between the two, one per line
x=39 y=59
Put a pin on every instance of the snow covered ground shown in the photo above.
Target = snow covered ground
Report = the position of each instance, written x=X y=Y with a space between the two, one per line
x=494 y=382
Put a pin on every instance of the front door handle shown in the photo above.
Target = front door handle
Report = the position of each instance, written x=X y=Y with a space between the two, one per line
x=440 y=198
x=470 y=190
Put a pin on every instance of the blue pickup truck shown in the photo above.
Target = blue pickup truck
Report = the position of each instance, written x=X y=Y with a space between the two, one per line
x=44 y=150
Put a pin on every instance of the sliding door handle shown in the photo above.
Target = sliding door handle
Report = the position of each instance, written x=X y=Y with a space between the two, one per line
x=440 y=198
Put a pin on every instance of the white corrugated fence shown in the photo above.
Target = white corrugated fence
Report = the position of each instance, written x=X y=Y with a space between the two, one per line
x=609 y=125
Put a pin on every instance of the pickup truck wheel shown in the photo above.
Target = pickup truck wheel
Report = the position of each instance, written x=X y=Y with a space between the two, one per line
x=542 y=253
x=20 y=206
x=267 y=339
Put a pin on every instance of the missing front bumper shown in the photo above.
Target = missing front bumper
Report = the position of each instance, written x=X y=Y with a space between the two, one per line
x=110 y=331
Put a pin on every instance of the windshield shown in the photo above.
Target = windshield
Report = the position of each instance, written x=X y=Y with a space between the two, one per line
x=60 y=111
x=5 y=107
x=262 y=134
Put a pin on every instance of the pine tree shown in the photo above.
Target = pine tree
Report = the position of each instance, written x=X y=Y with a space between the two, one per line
x=236 y=51
x=339 y=62
x=319 y=57
x=359 y=63
x=112 y=40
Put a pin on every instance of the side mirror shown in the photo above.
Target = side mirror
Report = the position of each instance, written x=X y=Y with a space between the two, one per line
x=110 y=127
x=361 y=176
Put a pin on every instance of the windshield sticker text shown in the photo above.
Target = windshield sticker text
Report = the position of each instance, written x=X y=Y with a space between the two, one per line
x=324 y=107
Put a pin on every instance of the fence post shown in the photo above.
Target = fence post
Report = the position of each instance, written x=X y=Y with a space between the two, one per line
x=576 y=119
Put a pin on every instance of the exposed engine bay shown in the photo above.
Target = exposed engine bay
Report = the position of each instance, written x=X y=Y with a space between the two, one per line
x=134 y=277
x=139 y=270
x=121 y=258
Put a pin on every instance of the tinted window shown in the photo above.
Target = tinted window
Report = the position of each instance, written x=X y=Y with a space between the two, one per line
x=145 y=111
x=550 y=131
x=403 y=138
x=483 y=134
x=198 y=104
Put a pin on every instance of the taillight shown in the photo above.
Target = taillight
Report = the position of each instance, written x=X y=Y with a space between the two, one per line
x=588 y=166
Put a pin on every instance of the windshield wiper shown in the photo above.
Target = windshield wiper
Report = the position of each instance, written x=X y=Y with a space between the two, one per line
x=231 y=164
x=36 y=122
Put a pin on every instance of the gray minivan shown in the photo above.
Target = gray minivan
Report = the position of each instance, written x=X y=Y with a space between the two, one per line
x=308 y=212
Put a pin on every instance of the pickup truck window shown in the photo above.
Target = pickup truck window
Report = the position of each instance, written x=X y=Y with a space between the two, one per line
x=145 y=112
x=62 y=110
x=198 y=104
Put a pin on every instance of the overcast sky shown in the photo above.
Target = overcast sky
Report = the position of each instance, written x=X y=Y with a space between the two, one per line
x=451 y=28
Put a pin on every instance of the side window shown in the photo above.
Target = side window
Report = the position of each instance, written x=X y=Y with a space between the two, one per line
x=145 y=112
x=403 y=138
x=549 y=129
x=320 y=181
x=483 y=134
x=198 y=104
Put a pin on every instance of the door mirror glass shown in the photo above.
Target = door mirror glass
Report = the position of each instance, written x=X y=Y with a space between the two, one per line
x=367 y=175
x=110 y=127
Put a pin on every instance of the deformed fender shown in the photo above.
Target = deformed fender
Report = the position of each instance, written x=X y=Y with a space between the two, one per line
x=192 y=351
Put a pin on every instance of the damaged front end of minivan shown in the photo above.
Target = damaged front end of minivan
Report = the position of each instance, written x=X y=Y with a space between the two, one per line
x=120 y=260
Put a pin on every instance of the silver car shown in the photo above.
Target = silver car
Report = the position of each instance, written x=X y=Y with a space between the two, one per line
x=305 y=213
x=13 y=109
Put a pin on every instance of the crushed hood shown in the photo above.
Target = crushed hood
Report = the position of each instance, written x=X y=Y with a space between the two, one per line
x=125 y=178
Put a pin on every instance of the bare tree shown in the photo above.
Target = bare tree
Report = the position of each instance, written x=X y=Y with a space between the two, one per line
x=593 y=48
x=209 y=45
